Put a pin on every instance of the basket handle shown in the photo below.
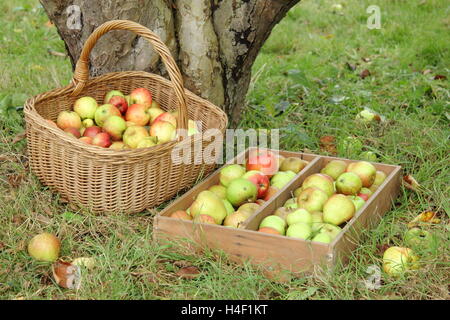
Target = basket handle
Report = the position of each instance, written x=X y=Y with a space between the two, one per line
x=81 y=74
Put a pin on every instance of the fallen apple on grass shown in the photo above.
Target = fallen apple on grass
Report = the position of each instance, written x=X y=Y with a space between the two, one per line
x=397 y=260
x=44 y=247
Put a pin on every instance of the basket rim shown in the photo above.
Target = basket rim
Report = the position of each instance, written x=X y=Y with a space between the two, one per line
x=32 y=116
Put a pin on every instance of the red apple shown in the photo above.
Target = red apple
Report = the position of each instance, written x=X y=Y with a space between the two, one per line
x=261 y=182
x=111 y=94
x=141 y=96
x=115 y=126
x=264 y=161
x=92 y=131
x=120 y=103
x=138 y=114
x=363 y=196
x=102 y=140
x=68 y=119
x=73 y=131
x=166 y=116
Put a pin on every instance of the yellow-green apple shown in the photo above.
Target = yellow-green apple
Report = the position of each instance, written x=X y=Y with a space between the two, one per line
x=166 y=116
x=312 y=199
x=104 y=112
x=141 y=96
x=274 y=222
x=365 y=193
x=92 y=131
x=230 y=173
x=138 y=114
x=348 y=183
x=380 y=176
x=118 y=145
x=293 y=164
x=282 y=178
x=85 y=107
x=155 y=104
x=322 y=237
x=418 y=237
x=115 y=126
x=338 y=209
x=269 y=230
x=299 y=215
x=368 y=156
x=365 y=170
x=102 y=139
x=180 y=214
x=235 y=219
x=249 y=208
x=327 y=228
x=163 y=130
x=316 y=217
x=120 y=103
x=87 y=140
x=349 y=146
x=205 y=218
x=358 y=202
x=68 y=119
x=219 y=190
x=111 y=94
x=299 y=230
x=262 y=160
x=320 y=181
x=146 y=142
x=87 y=123
x=133 y=135
x=128 y=99
x=298 y=191
x=291 y=203
x=44 y=247
x=73 y=132
x=260 y=180
x=228 y=206
x=334 y=168
x=282 y=212
x=240 y=191
x=271 y=192
x=208 y=203
x=367 y=116
x=154 y=113
x=397 y=260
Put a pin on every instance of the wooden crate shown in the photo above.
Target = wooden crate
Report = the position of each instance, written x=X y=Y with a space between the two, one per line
x=277 y=252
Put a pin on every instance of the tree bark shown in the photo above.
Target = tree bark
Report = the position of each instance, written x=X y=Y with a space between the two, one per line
x=214 y=42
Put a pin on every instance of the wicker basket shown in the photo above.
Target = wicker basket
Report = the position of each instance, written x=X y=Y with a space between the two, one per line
x=106 y=180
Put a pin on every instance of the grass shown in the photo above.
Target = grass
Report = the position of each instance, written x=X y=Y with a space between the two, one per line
x=301 y=84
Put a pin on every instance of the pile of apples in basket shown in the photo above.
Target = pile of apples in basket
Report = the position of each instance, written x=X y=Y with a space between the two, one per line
x=317 y=211
x=122 y=122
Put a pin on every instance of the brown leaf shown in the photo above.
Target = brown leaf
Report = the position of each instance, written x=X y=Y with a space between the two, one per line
x=364 y=74
x=18 y=137
x=410 y=183
x=327 y=144
x=425 y=217
x=190 y=272
x=15 y=180
x=440 y=77
x=2 y=246
x=382 y=248
x=181 y=263
x=17 y=219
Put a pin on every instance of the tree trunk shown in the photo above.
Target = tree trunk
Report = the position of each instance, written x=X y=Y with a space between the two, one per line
x=214 y=42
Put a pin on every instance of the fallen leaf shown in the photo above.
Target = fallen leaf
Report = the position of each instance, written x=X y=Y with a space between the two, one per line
x=439 y=77
x=327 y=144
x=410 y=183
x=190 y=272
x=364 y=74
x=15 y=180
x=2 y=246
x=425 y=217
x=17 y=219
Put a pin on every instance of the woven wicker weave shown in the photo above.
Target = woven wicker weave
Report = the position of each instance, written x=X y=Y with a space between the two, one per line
x=106 y=180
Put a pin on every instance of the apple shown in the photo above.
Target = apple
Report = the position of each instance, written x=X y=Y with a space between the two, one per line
x=316 y=218
x=240 y=191
x=334 y=168
x=92 y=131
x=365 y=193
x=138 y=114
x=87 y=140
x=322 y=237
x=73 y=132
x=104 y=112
x=358 y=202
x=365 y=170
x=141 y=96
x=228 y=206
x=133 y=135
x=312 y=199
x=235 y=219
x=289 y=202
x=338 y=209
x=299 y=230
x=166 y=116
x=298 y=191
x=163 y=130
x=274 y=222
x=115 y=126
x=368 y=156
x=87 y=123
x=68 y=119
x=154 y=113
x=102 y=140
x=118 y=145
x=128 y=99
x=85 y=107
x=269 y=230
x=367 y=116
x=205 y=218
x=208 y=203
x=271 y=192
x=180 y=214
x=348 y=183
x=219 y=190
x=327 y=228
x=155 y=104
x=293 y=164
x=230 y=173
x=263 y=161
x=44 y=247
x=349 y=146
x=320 y=181
x=397 y=260
x=300 y=215
x=120 y=103
x=146 y=142
x=282 y=212
x=260 y=180
x=380 y=176
x=282 y=178
x=249 y=208
x=417 y=237
x=111 y=94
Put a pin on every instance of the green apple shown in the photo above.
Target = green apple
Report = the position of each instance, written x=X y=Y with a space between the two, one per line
x=85 y=107
x=348 y=183
x=282 y=178
x=219 y=190
x=349 y=147
x=329 y=229
x=417 y=237
x=298 y=191
x=322 y=237
x=134 y=135
x=338 y=209
x=290 y=202
x=147 y=142
x=320 y=181
x=104 y=112
x=240 y=191
x=368 y=156
x=228 y=206
x=249 y=208
x=235 y=219
x=293 y=164
x=282 y=212
x=380 y=176
x=44 y=247
x=87 y=123
x=334 y=168
x=115 y=126
x=230 y=173
x=358 y=202
x=210 y=204
x=367 y=116
x=300 y=215
x=312 y=199
x=299 y=230
x=365 y=170
x=396 y=260
x=274 y=222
